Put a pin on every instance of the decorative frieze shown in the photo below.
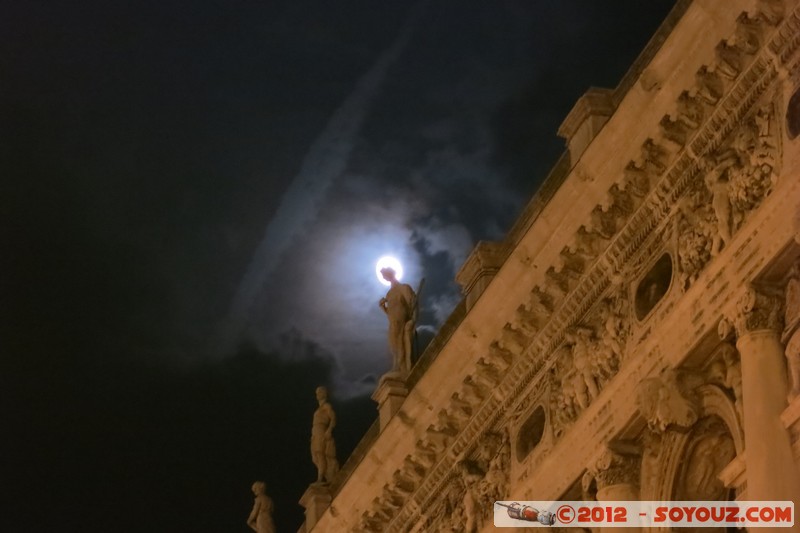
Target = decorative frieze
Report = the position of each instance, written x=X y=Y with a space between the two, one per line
x=737 y=177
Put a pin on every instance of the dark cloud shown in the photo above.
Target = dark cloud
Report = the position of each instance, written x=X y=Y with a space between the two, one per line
x=152 y=448
x=419 y=183
x=573 y=45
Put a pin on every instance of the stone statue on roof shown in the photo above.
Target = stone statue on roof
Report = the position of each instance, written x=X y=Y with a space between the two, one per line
x=401 y=308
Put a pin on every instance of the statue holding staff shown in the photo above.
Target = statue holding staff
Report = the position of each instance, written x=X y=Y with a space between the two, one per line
x=400 y=306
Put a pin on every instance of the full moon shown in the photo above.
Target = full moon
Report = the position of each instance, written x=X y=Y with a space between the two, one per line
x=387 y=261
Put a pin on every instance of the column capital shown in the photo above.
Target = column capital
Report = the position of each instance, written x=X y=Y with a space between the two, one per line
x=613 y=468
x=758 y=309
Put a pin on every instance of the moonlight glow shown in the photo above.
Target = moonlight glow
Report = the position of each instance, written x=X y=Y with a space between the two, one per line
x=387 y=261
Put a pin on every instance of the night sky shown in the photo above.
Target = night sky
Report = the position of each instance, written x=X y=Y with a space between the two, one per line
x=193 y=197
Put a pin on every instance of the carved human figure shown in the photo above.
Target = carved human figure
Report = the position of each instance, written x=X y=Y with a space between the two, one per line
x=613 y=331
x=582 y=358
x=733 y=375
x=563 y=412
x=452 y=509
x=717 y=183
x=260 y=519
x=572 y=385
x=610 y=344
x=400 y=306
x=762 y=120
x=707 y=459
x=473 y=512
x=495 y=482
x=791 y=332
x=651 y=451
x=754 y=174
x=323 y=447
x=697 y=229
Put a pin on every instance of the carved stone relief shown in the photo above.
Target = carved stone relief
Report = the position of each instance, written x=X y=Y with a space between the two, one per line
x=650 y=442
x=709 y=450
x=590 y=357
x=669 y=400
x=791 y=332
x=584 y=380
x=471 y=475
x=613 y=330
x=494 y=485
x=465 y=503
x=564 y=406
x=732 y=377
x=759 y=308
x=733 y=180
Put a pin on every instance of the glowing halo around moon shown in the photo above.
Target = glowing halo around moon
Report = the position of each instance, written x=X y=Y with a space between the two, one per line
x=387 y=261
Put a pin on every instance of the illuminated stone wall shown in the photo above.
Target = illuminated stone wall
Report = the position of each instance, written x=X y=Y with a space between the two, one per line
x=630 y=338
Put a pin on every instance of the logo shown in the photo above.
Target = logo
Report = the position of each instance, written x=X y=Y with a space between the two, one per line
x=527 y=513
x=639 y=514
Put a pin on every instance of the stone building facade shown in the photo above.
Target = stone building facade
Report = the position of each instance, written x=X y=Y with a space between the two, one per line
x=637 y=334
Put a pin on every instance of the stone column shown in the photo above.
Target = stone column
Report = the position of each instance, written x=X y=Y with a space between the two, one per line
x=316 y=500
x=390 y=394
x=771 y=470
x=617 y=478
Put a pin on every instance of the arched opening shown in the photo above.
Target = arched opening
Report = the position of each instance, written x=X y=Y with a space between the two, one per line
x=793 y=115
x=654 y=286
x=530 y=434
